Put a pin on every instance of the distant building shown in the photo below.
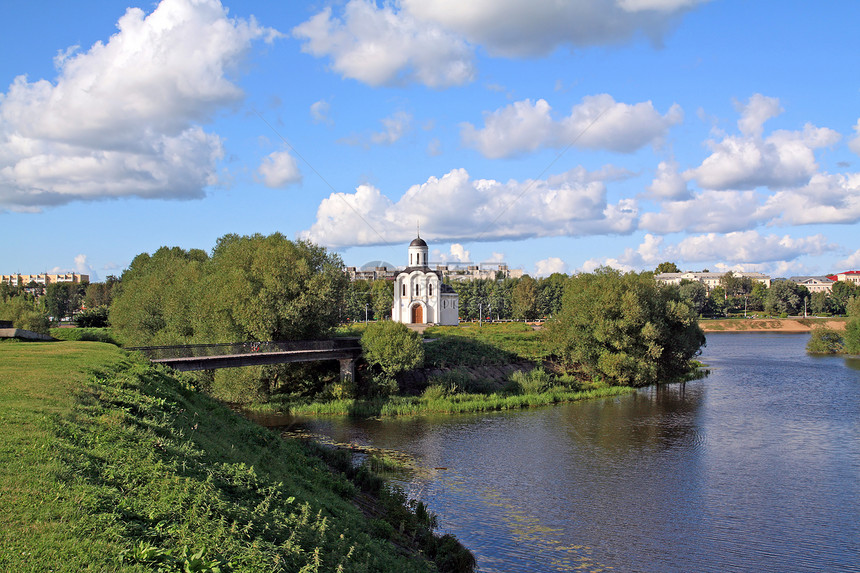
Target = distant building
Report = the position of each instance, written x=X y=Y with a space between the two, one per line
x=420 y=296
x=814 y=284
x=375 y=270
x=847 y=276
x=44 y=279
x=710 y=280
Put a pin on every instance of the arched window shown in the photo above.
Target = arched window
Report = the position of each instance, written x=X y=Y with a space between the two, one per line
x=416 y=289
x=403 y=289
x=430 y=289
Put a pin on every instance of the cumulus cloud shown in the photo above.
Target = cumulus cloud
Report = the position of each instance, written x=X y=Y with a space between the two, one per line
x=851 y=262
x=456 y=207
x=826 y=198
x=746 y=247
x=708 y=211
x=746 y=250
x=517 y=28
x=668 y=182
x=598 y=122
x=279 y=169
x=121 y=119
x=386 y=46
x=749 y=160
x=548 y=266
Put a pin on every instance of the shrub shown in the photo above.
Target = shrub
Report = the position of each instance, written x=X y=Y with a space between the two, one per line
x=825 y=341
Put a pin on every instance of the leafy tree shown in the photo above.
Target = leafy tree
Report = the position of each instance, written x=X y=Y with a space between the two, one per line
x=667 y=267
x=852 y=329
x=26 y=313
x=58 y=300
x=783 y=297
x=524 y=299
x=382 y=297
x=819 y=303
x=550 y=294
x=840 y=293
x=268 y=288
x=393 y=348
x=100 y=294
x=717 y=303
x=825 y=340
x=625 y=329
x=695 y=294
x=92 y=317
x=155 y=303
x=356 y=297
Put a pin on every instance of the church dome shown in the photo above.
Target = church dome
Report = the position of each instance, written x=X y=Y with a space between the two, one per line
x=419 y=242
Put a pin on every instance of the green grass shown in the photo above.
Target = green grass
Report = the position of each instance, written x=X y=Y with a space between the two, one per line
x=473 y=345
x=85 y=334
x=458 y=403
x=112 y=464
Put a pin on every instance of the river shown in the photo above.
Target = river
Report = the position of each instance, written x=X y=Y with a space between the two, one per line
x=754 y=468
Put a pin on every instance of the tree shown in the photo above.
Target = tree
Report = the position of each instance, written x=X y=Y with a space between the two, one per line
x=26 y=313
x=852 y=329
x=840 y=293
x=58 y=300
x=268 y=288
x=819 y=302
x=382 y=298
x=695 y=294
x=550 y=294
x=783 y=297
x=625 y=329
x=524 y=299
x=667 y=267
x=393 y=348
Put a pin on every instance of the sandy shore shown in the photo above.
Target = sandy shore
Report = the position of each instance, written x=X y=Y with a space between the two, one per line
x=770 y=324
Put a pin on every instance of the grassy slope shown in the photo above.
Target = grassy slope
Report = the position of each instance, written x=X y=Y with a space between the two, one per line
x=129 y=470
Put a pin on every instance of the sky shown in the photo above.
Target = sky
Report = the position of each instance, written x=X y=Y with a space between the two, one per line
x=555 y=136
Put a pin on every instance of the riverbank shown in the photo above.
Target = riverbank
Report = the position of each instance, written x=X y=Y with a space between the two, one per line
x=789 y=325
x=109 y=463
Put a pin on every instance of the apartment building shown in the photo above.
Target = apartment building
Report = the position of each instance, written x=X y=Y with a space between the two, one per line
x=43 y=279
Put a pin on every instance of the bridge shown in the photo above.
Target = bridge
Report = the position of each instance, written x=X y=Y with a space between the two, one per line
x=211 y=356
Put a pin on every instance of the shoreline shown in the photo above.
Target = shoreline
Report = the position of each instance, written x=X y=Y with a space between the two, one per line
x=789 y=325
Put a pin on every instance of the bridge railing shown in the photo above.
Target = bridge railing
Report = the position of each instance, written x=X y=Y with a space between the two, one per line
x=237 y=348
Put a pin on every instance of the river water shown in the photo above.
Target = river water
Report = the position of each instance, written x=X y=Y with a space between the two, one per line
x=754 y=468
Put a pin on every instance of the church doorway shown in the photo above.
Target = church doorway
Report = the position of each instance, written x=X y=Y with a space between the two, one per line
x=417 y=314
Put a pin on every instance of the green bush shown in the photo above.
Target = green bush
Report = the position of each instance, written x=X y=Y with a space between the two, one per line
x=392 y=347
x=825 y=341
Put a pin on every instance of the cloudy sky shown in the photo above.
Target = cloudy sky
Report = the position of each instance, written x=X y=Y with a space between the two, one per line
x=556 y=136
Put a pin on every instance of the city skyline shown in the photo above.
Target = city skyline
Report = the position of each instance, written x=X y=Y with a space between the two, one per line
x=555 y=137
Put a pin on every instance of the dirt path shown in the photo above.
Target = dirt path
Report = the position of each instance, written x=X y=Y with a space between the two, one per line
x=770 y=324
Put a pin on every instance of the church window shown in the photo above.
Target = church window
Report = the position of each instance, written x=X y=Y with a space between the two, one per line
x=403 y=290
x=430 y=289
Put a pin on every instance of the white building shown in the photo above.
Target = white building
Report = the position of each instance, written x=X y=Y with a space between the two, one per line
x=710 y=280
x=420 y=296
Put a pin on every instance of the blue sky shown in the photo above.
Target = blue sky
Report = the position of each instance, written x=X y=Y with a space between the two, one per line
x=555 y=136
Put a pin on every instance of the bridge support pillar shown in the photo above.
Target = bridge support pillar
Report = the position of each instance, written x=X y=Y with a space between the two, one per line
x=347 y=370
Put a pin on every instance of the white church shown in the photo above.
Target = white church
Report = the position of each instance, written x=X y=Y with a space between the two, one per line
x=420 y=296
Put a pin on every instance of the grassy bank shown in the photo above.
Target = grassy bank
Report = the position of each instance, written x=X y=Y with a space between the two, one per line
x=110 y=464
x=456 y=403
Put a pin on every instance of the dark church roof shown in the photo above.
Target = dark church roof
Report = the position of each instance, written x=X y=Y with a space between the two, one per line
x=419 y=242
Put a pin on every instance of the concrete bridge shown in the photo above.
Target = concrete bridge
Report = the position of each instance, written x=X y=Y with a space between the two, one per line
x=211 y=356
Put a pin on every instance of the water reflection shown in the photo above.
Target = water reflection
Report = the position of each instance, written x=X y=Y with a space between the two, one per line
x=755 y=468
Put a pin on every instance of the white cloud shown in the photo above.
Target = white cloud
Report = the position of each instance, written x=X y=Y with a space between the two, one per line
x=526 y=28
x=396 y=126
x=850 y=262
x=456 y=207
x=748 y=247
x=669 y=183
x=548 y=266
x=826 y=199
x=708 y=211
x=121 y=118
x=279 y=169
x=854 y=144
x=385 y=46
x=784 y=159
x=320 y=112
x=598 y=122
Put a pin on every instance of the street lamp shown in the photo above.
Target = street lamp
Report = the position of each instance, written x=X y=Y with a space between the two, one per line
x=366 y=305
